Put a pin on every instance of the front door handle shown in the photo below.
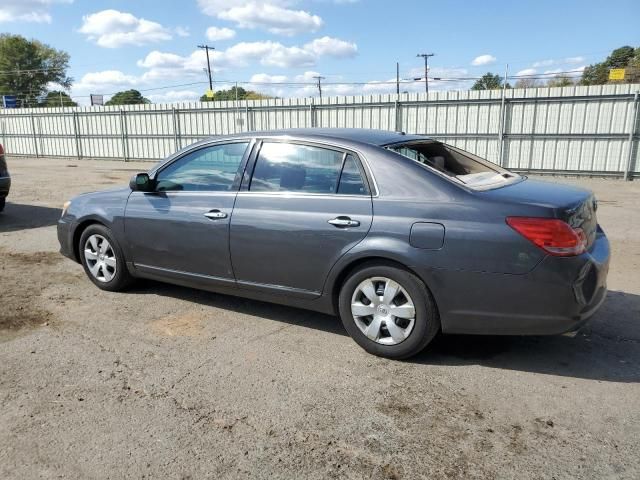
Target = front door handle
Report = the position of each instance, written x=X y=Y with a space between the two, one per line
x=215 y=214
x=344 y=222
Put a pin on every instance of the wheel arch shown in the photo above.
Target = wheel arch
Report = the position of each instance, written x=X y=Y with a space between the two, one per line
x=339 y=277
x=77 y=233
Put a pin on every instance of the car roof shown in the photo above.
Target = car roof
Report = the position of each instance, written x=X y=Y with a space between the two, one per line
x=361 y=135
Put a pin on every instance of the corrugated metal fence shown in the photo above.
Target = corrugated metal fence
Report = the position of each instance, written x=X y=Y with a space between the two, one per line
x=587 y=130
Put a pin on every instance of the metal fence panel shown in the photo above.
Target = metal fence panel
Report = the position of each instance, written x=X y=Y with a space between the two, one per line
x=579 y=129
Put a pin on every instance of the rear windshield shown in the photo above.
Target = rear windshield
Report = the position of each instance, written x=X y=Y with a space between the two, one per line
x=461 y=166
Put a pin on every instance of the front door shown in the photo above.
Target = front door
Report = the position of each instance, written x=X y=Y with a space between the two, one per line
x=304 y=207
x=183 y=226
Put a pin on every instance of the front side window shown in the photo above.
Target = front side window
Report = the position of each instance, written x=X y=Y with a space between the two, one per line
x=212 y=169
x=296 y=168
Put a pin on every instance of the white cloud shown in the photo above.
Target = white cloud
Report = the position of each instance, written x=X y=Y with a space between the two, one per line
x=175 y=96
x=216 y=34
x=183 y=31
x=28 y=10
x=543 y=63
x=270 y=54
x=333 y=47
x=165 y=65
x=483 y=60
x=574 y=60
x=112 y=29
x=558 y=61
x=271 y=15
x=527 y=72
x=266 y=78
x=214 y=7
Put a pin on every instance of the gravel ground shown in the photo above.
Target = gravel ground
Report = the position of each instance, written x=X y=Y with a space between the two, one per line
x=168 y=382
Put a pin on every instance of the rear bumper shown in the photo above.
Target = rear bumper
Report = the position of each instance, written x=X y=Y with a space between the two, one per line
x=5 y=186
x=558 y=296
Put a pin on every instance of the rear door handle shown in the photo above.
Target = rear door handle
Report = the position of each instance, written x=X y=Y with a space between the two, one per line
x=215 y=215
x=344 y=222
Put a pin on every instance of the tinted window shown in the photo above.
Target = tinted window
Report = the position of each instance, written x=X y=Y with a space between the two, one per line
x=207 y=169
x=297 y=168
x=351 y=182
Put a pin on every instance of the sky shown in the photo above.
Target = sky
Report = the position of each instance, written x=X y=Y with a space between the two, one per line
x=278 y=46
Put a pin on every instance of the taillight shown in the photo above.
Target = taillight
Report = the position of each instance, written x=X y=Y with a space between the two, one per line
x=552 y=235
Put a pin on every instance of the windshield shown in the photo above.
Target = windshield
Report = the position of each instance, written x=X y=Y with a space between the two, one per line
x=457 y=164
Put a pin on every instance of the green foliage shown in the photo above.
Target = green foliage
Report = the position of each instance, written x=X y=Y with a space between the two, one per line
x=128 y=97
x=623 y=57
x=231 y=95
x=31 y=66
x=489 y=81
x=57 y=99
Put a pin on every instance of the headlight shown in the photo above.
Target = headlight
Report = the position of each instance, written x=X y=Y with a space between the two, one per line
x=66 y=205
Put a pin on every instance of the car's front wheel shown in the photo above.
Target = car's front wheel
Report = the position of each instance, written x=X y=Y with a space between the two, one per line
x=102 y=259
x=388 y=311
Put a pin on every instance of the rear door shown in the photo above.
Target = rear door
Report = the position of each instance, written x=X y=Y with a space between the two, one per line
x=301 y=207
x=183 y=226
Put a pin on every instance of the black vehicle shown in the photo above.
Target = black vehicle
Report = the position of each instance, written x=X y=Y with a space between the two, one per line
x=400 y=235
x=5 y=179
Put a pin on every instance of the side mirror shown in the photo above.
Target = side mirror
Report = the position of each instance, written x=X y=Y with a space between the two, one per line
x=141 y=183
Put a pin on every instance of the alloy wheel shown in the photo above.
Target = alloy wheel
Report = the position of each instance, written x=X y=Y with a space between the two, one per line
x=100 y=258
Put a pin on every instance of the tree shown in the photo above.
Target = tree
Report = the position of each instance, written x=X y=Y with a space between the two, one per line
x=527 y=83
x=28 y=66
x=57 y=99
x=598 y=73
x=128 y=97
x=489 y=81
x=231 y=95
x=560 y=81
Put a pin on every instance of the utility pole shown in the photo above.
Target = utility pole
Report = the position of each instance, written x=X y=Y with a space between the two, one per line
x=426 y=68
x=206 y=49
x=319 y=78
x=397 y=78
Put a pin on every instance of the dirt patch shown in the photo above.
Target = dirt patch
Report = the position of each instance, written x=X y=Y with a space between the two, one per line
x=20 y=308
x=189 y=324
x=36 y=258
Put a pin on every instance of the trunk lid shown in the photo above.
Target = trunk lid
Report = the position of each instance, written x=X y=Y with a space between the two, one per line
x=574 y=205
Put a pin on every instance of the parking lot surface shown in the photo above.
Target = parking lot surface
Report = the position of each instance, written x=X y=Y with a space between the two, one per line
x=169 y=382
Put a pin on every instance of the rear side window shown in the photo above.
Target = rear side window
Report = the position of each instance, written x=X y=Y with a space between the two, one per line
x=351 y=182
x=211 y=168
x=296 y=168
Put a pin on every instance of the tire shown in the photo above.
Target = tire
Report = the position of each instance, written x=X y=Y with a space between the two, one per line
x=106 y=269
x=2 y=203
x=410 y=336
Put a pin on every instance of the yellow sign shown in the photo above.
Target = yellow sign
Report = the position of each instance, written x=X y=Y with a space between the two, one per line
x=209 y=94
x=616 y=74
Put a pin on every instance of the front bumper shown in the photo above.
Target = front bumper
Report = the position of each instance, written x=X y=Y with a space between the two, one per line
x=5 y=186
x=557 y=296
x=65 y=238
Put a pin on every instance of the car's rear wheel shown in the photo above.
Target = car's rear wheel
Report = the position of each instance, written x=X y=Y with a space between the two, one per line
x=2 y=203
x=102 y=259
x=388 y=310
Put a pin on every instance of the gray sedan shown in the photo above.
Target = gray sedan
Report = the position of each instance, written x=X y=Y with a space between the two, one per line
x=400 y=235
